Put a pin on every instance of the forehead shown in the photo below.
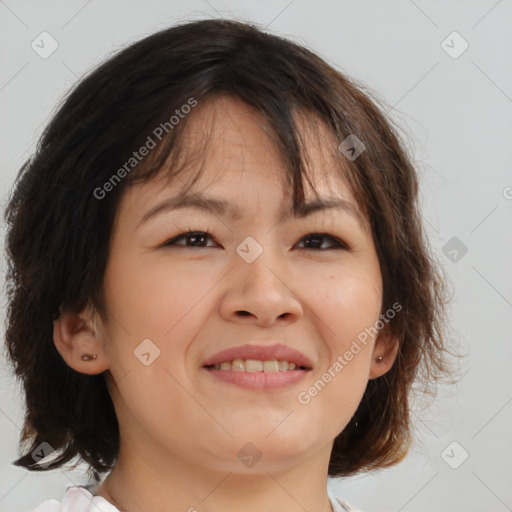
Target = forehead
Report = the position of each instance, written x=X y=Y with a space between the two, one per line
x=234 y=139
x=230 y=123
x=235 y=155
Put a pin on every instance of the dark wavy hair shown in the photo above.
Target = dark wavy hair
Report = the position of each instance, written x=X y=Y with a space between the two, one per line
x=60 y=219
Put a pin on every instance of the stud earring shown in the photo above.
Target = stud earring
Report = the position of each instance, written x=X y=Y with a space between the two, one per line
x=88 y=357
x=380 y=359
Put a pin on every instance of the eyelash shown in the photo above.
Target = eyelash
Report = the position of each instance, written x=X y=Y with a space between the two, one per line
x=339 y=244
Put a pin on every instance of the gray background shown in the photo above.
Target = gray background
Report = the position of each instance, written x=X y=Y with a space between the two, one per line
x=458 y=114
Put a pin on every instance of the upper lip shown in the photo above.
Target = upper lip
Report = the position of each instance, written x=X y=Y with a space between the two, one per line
x=277 y=351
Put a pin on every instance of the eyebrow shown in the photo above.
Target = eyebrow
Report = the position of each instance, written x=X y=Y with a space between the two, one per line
x=224 y=208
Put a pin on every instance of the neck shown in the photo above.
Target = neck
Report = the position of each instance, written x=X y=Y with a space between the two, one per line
x=134 y=485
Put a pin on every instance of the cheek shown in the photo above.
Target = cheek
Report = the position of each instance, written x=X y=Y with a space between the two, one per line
x=332 y=399
x=347 y=306
x=346 y=302
x=156 y=299
x=154 y=404
x=161 y=303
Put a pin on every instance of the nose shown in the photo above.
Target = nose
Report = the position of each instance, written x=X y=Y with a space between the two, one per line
x=262 y=292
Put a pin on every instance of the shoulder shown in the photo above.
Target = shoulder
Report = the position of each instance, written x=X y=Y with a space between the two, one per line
x=339 y=505
x=76 y=499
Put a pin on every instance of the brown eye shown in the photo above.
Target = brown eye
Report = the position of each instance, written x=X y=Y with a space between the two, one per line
x=316 y=240
x=196 y=238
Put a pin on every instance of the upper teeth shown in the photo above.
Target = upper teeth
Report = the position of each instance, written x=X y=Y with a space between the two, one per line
x=254 y=365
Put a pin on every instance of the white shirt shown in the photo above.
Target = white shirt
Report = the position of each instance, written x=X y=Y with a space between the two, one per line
x=79 y=499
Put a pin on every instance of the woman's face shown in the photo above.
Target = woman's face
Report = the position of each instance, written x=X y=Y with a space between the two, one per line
x=261 y=278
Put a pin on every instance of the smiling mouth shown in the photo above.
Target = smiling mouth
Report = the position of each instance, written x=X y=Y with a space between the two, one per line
x=256 y=365
x=258 y=375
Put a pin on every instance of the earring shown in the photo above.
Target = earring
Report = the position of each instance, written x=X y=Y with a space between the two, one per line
x=380 y=359
x=88 y=357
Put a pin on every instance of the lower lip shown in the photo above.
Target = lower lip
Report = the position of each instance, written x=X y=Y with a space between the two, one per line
x=259 y=380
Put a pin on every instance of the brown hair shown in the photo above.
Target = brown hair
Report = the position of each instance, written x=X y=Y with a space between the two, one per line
x=59 y=227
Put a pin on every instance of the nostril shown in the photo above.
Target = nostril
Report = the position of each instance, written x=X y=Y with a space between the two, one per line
x=244 y=313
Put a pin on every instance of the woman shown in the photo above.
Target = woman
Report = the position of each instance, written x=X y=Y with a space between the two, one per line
x=220 y=290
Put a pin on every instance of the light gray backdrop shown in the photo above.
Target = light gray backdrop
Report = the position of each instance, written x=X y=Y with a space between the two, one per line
x=455 y=102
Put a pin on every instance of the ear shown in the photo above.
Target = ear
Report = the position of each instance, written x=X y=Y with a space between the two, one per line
x=384 y=354
x=77 y=334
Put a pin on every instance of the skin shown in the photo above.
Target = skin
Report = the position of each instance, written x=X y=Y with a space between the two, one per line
x=181 y=428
